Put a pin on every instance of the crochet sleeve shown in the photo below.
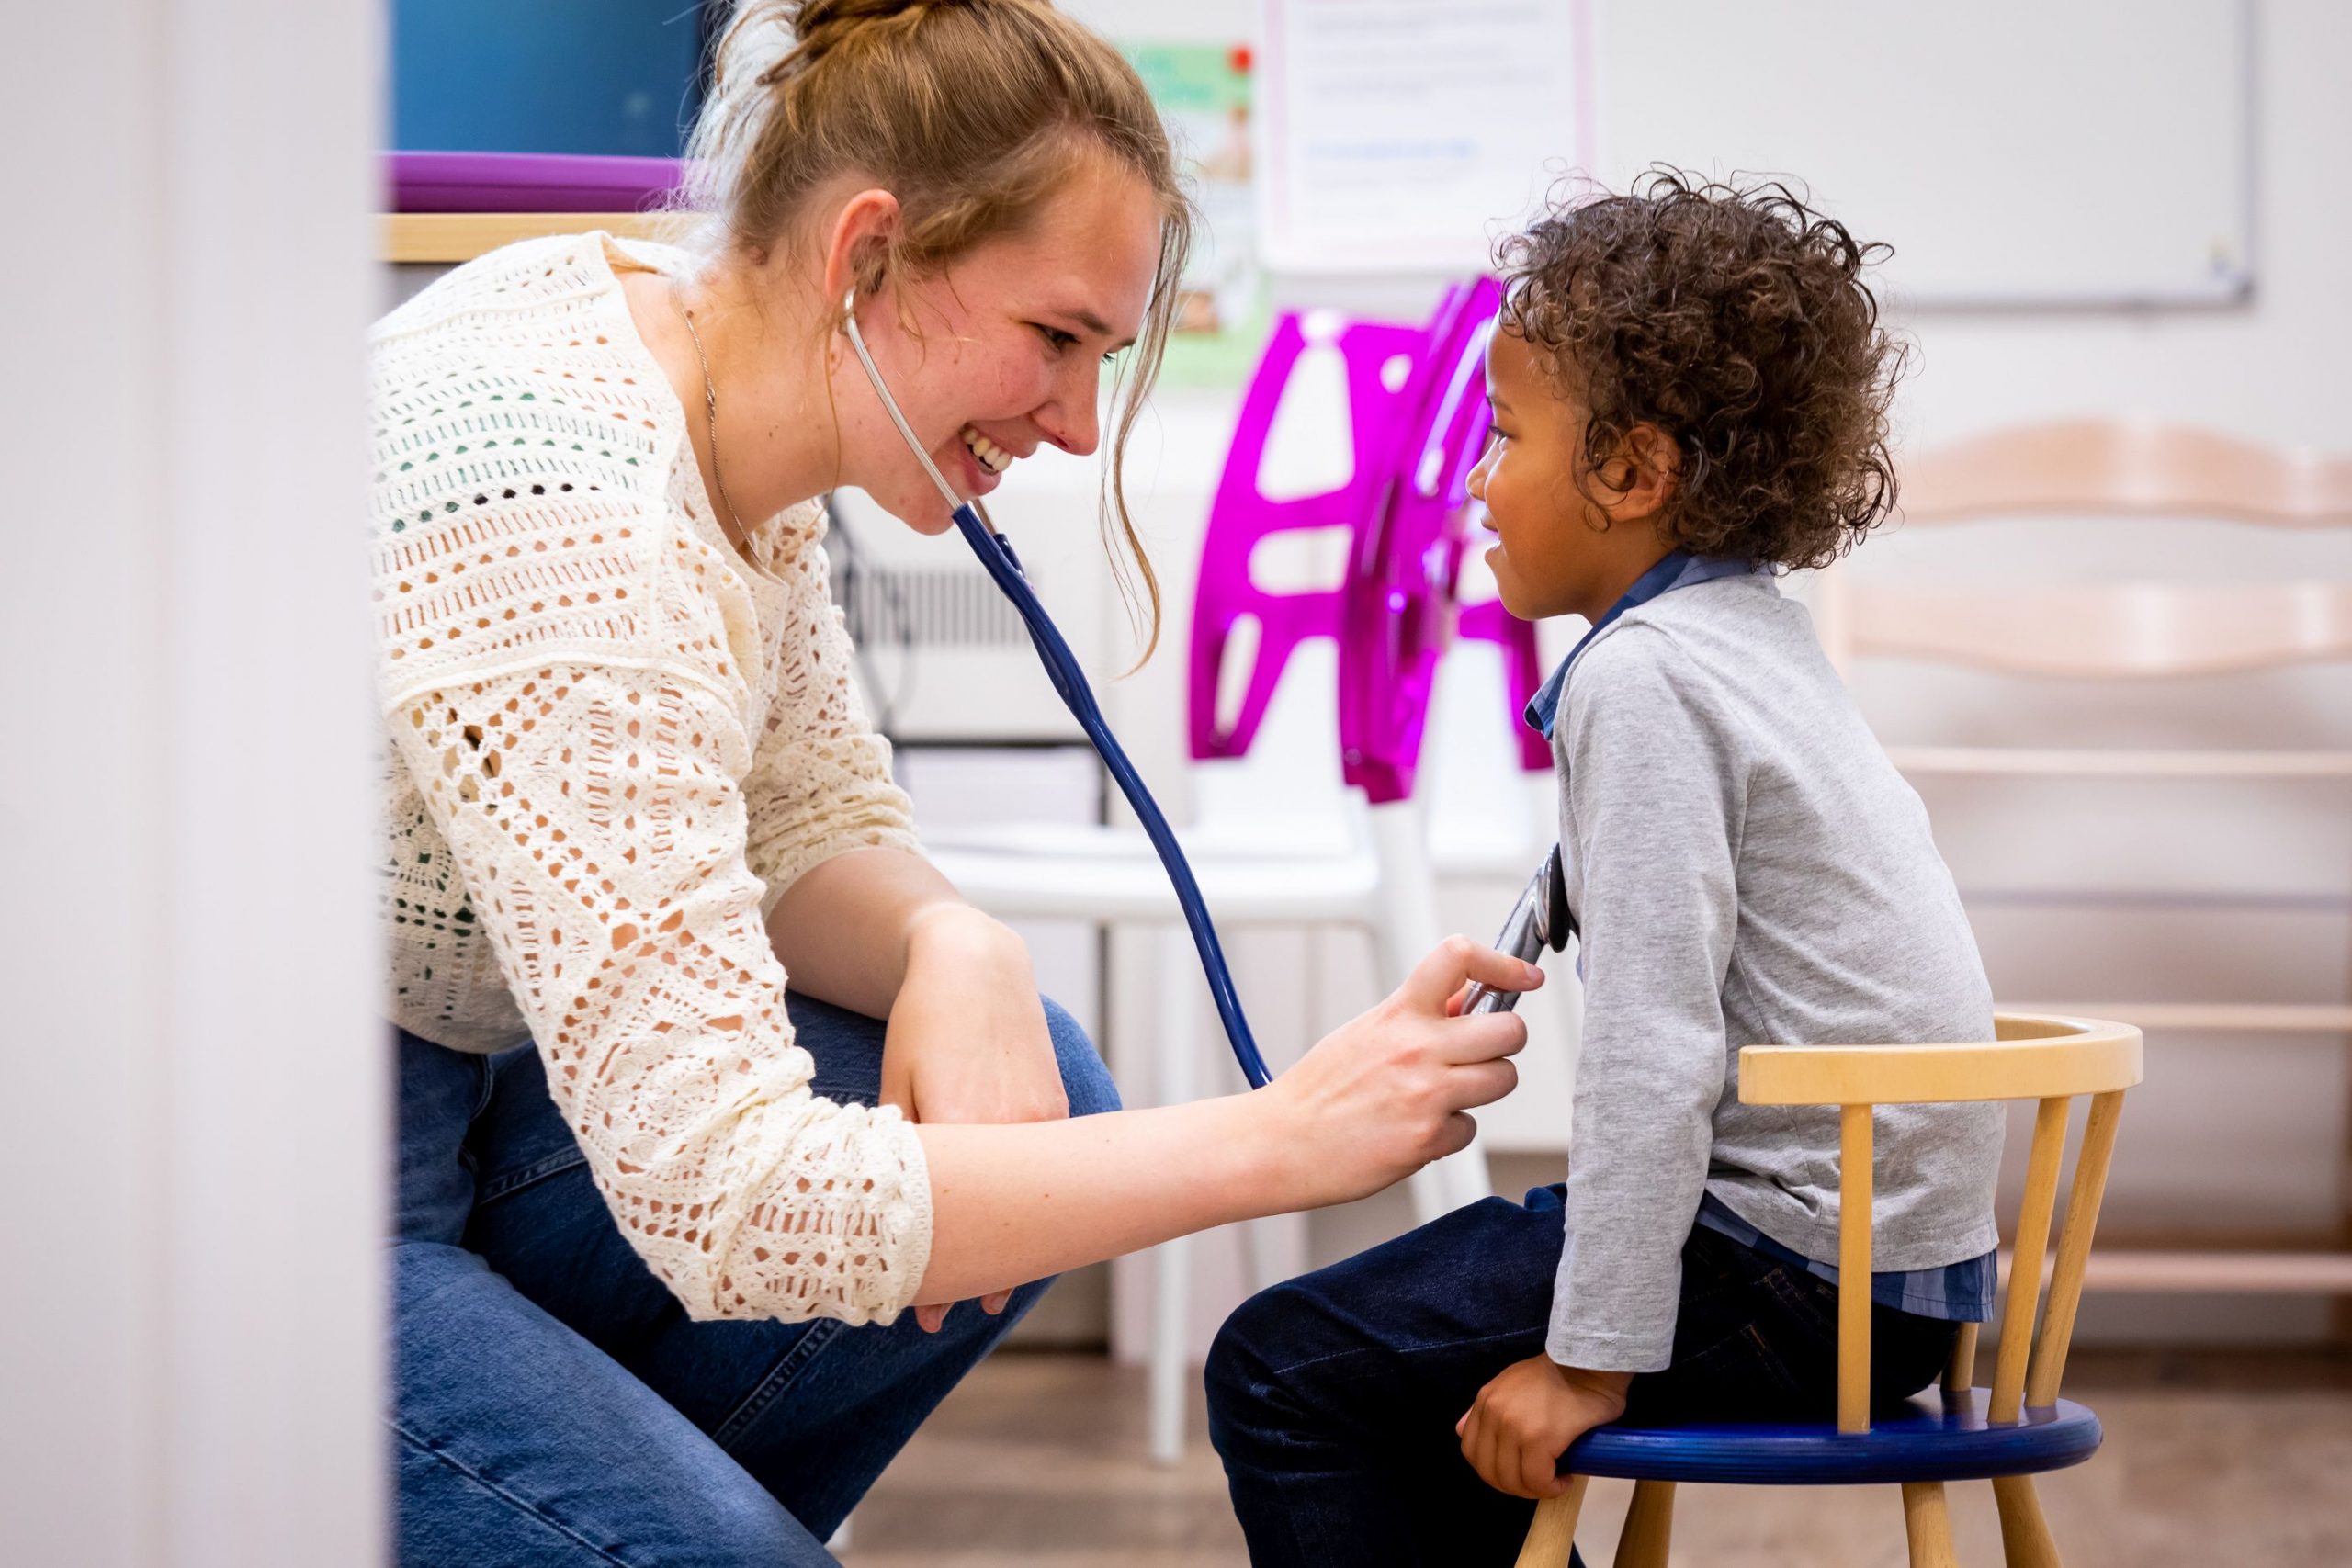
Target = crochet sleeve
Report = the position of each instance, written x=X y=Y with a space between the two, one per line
x=596 y=815
x=821 y=782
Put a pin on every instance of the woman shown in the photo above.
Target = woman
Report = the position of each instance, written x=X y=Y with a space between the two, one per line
x=652 y=1266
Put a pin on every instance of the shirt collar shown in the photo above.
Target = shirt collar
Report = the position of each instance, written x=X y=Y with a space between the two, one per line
x=1676 y=569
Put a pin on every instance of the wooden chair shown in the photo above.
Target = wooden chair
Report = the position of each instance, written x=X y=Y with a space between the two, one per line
x=2018 y=1429
x=2140 y=632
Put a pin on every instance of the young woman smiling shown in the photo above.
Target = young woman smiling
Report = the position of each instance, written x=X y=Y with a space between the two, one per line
x=630 y=791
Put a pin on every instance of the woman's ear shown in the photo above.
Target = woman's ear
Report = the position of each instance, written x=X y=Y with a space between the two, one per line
x=1641 y=476
x=858 y=242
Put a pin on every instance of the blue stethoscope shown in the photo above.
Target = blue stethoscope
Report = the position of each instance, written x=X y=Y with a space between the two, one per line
x=1539 y=920
x=1061 y=667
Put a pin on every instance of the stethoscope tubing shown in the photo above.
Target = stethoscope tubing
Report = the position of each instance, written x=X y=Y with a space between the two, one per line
x=1062 y=669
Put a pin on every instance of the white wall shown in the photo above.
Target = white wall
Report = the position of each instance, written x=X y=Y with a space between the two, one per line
x=2245 y=1132
x=190 y=1330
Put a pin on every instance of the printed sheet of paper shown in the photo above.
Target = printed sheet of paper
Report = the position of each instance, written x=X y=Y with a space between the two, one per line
x=1406 y=135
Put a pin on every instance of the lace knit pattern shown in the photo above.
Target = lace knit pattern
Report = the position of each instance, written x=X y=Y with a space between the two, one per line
x=612 y=746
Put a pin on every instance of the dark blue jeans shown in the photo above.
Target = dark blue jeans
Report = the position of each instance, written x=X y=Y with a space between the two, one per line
x=1332 y=1397
x=553 y=1407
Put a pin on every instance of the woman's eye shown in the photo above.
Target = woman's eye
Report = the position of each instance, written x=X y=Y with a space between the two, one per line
x=1056 y=339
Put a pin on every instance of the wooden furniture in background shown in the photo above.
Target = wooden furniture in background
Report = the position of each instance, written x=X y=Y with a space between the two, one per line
x=2128 y=631
x=2007 y=1435
x=451 y=237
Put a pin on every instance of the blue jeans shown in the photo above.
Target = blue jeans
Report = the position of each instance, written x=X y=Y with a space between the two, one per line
x=1332 y=1397
x=553 y=1406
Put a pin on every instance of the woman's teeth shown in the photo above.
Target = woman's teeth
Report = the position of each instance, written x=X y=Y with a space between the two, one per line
x=993 y=457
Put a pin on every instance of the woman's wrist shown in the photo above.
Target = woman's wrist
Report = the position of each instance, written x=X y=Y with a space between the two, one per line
x=950 y=930
x=1275 y=1136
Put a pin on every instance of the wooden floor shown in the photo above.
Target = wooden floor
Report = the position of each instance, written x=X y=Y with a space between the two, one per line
x=2221 y=1462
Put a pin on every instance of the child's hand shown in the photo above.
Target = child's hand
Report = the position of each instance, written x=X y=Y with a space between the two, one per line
x=1522 y=1422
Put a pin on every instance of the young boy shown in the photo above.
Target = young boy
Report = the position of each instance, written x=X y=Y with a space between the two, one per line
x=1689 y=389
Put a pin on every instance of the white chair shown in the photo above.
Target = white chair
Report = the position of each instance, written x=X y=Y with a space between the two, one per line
x=1328 y=862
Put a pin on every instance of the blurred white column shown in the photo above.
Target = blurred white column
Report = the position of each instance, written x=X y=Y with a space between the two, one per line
x=192 y=1166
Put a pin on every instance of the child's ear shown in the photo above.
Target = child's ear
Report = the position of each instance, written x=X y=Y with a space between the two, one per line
x=1641 y=475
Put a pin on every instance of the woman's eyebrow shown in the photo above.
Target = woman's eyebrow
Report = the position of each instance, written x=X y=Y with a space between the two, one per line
x=1095 y=324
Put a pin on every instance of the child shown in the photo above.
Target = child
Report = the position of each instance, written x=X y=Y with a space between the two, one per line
x=1690 y=387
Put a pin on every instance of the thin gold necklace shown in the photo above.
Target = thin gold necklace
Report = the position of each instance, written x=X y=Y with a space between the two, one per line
x=734 y=521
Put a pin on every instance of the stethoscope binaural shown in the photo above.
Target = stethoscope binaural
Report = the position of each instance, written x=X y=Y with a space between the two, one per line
x=1538 y=920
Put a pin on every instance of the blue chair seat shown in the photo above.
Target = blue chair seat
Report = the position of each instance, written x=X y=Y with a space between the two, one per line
x=1929 y=1439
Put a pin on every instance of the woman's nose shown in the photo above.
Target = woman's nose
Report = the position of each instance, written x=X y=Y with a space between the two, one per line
x=1069 y=420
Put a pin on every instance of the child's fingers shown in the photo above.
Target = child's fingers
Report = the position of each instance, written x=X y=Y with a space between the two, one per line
x=996 y=1301
x=1486 y=1455
x=1537 y=1470
x=929 y=1319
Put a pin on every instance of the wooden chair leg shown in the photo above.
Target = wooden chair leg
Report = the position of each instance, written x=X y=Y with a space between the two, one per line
x=1552 y=1531
x=1649 y=1525
x=2026 y=1542
x=1928 y=1524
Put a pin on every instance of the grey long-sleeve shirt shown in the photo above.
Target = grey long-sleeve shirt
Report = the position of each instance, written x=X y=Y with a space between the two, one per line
x=1747 y=868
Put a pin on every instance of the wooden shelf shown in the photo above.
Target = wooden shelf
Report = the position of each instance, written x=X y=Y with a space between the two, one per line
x=2219 y=1273
x=2229 y=1273
x=2227 y=1018
x=447 y=237
x=1995 y=762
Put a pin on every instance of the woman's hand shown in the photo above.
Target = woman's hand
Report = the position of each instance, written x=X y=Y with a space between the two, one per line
x=1389 y=1092
x=1515 y=1431
x=967 y=1041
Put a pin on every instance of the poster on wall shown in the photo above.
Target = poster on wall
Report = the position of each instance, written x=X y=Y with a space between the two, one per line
x=1203 y=92
x=1405 y=135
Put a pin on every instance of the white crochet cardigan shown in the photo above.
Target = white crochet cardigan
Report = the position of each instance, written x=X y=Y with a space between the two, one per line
x=611 y=747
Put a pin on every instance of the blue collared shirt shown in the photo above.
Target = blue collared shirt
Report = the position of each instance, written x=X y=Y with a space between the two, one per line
x=1676 y=569
x=1960 y=1293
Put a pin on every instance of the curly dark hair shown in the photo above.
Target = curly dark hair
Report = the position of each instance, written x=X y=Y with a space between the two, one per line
x=1734 y=319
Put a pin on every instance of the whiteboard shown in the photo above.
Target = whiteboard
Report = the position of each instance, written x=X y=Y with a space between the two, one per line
x=2057 y=152
x=1405 y=135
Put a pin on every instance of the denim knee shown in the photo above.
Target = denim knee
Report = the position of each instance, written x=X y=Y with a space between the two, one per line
x=1085 y=1080
x=1240 y=1372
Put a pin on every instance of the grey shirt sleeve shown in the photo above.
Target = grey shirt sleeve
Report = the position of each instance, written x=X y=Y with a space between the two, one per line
x=1653 y=798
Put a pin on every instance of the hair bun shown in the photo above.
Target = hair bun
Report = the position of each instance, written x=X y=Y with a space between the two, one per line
x=823 y=22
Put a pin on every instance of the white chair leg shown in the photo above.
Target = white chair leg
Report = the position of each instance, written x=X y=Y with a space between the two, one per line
x=1403 y=927
x=1176 y=1075
x=1264 y=1253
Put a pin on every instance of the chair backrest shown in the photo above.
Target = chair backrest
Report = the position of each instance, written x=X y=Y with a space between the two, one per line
x=2105 y=468
x=1413 y=425
x=2047 y=1059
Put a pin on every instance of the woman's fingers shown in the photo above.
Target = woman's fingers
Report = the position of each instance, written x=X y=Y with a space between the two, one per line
x=929 y=1319
x=1457 y=961
x=1482 y=1037
x=1460 y=1130
x=996 y=1301
x=1480 y=1083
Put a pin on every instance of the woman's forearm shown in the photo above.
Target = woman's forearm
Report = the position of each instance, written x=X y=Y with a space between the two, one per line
x=842 y=929
x=1376 y=1098
x=1017 y=1202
